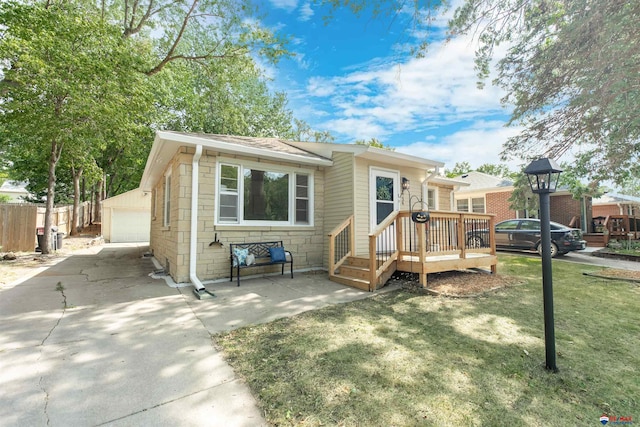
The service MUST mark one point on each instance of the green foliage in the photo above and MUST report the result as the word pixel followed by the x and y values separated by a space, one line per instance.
pixel 303 132
pixel 501 171
pixel 459 169
pixel 374 142
pixel 4 198
pixel 570 72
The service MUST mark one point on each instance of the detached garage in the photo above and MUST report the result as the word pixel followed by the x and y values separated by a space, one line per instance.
pixel 127 217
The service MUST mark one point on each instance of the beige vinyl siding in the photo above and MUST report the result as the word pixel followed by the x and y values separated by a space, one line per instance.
pixel 444 199
pixel 339 199
pixel 362 196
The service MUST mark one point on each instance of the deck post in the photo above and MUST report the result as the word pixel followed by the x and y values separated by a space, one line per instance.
pixel 422 253
pixel 461 237
pixel 492 239
pixel 373 264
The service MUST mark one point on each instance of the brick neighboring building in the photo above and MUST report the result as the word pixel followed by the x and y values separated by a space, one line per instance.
pixel 616 204
pixel 490 194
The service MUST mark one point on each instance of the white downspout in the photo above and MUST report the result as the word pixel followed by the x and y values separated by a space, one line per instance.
pixel 193 240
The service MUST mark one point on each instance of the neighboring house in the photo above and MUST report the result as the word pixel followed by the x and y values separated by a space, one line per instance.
pixel 616 204
pixel 266 189
pixel 485 194
pixel 490 194
pixel 16 191
pixel 127 217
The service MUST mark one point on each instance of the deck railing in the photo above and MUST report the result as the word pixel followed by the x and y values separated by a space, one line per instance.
pixel 341 244
pixel 383 247
pixel 622 226
pixel 461 238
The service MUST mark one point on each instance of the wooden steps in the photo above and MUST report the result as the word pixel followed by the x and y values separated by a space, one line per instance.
pixel 355 273
pixel 596 240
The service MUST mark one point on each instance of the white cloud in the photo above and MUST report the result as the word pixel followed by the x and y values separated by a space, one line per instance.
pixel 478 144
pixel 419 93
pixel 305 12
pixel 288 5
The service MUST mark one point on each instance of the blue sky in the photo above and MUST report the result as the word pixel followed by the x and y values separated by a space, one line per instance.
pixel 357 78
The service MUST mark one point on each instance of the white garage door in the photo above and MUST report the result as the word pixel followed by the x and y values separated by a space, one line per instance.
pixel 130 226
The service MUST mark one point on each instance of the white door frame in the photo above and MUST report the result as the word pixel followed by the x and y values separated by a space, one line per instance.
pixel 386 173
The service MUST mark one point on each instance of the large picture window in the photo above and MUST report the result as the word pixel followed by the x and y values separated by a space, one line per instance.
pixel 254 193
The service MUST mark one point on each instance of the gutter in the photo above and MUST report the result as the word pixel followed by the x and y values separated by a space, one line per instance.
pixel 198 288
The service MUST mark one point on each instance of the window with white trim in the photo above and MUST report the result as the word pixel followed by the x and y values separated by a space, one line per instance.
pixel 167 200
pixel 255 193
pixel 477 204
pixel 431 199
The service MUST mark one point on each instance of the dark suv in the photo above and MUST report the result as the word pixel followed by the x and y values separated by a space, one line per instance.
pixel 524 234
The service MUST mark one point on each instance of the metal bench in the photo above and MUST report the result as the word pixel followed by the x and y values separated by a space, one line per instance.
pixel 262 256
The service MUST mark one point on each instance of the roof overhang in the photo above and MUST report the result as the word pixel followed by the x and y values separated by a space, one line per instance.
pixel 166 144
pixel 370 153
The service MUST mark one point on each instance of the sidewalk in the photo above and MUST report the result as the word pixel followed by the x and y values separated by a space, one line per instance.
pixel 93 340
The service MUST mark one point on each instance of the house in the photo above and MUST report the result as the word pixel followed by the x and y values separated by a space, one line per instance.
pixel 208 191
pixel 490 194
pixel 127 217
pixel 16 191
pixel 615 216
pixel 616 204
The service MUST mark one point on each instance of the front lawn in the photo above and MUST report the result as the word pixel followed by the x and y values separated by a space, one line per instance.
pixel 404 359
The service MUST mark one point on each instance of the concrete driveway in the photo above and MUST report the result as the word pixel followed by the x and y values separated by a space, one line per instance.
pixel 93 341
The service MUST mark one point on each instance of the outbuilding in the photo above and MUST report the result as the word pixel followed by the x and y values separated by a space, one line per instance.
pixel 126 217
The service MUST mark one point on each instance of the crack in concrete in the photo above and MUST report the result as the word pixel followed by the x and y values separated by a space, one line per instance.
pixel 165 403
pixel 59 288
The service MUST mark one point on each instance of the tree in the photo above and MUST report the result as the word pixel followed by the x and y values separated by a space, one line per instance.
pixel 76 80
pixel 303 132
pixel 459 169
pixel 571 73
pixel 501 171
pixel 374 142
pixel 60 68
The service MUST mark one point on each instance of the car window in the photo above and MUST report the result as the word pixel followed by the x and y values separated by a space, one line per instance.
pixel 529 225
pixel 556 226
pixel 507 225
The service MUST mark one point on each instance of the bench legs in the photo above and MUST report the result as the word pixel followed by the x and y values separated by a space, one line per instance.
pixel 238 272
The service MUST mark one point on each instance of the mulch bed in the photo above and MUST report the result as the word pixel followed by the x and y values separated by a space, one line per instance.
pixel 457 284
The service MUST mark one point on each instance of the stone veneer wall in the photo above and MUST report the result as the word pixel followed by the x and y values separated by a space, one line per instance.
pixel 305 243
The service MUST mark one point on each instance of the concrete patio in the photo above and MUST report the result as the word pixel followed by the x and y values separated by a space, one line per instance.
pixel 93 340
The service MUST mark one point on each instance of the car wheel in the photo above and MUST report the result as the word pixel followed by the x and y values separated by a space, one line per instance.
pixel 475 242
pixel 554 250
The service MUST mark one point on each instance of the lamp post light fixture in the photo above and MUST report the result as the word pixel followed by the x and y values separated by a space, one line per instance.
pixel 543 175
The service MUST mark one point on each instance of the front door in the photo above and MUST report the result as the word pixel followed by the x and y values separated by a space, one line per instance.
pixel 384 200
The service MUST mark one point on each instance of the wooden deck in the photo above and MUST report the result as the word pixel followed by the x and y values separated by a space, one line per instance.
pixel 449 241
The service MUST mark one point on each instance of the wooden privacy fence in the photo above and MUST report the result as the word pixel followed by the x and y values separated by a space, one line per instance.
pixel 18 224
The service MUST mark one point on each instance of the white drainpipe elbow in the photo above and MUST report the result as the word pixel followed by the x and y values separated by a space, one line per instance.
pixel 193 241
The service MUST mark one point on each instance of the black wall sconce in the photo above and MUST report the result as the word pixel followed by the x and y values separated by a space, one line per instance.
pixel 405 184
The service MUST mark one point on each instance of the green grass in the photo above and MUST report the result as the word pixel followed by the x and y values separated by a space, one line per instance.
pixel 403 359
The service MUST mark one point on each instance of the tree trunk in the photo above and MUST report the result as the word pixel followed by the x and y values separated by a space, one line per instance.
pixel 97 207
pixel 77 173
pixel 51 191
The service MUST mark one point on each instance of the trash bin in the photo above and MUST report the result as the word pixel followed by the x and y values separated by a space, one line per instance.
pixel 55 241
pixel 59 237
pixel 40 237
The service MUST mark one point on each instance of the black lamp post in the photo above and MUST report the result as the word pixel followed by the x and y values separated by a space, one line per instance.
pixel 543 175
